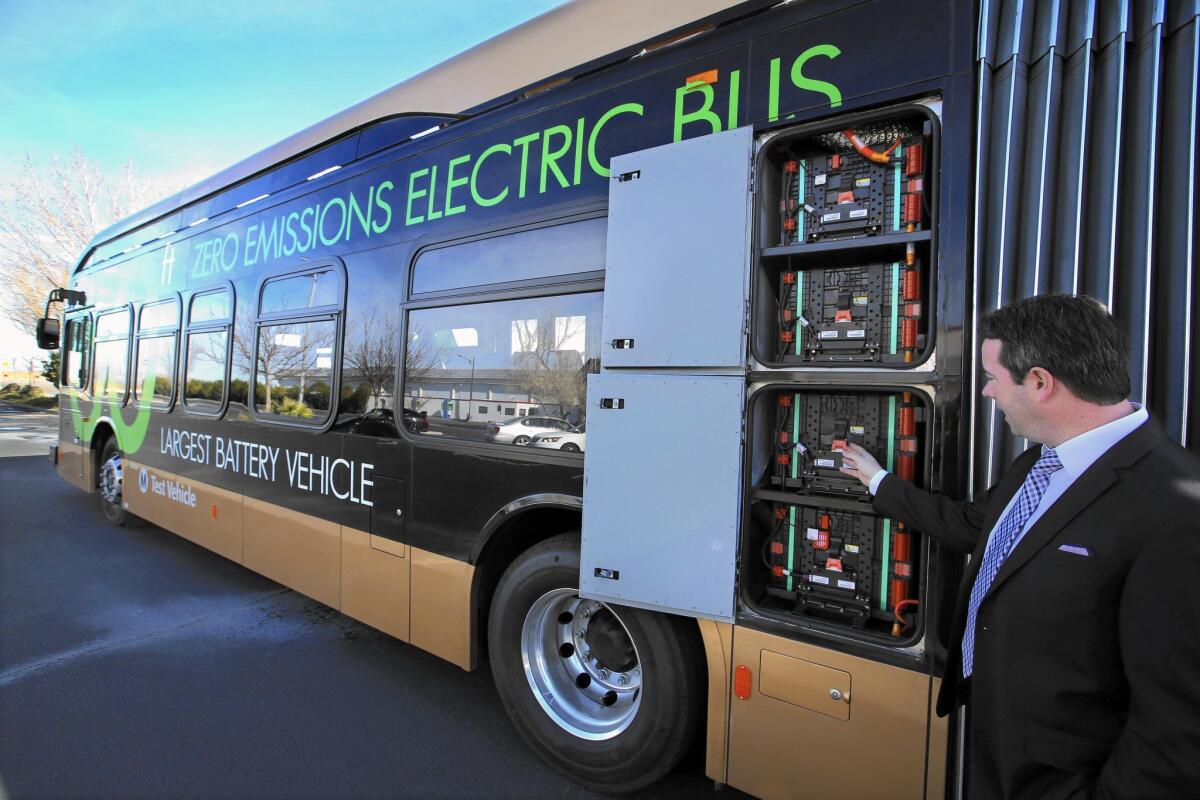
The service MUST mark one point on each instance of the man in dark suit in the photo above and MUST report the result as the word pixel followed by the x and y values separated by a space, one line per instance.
pixel 1076 640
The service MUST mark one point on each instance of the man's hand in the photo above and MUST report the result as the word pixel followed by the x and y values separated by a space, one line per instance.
pixel 859 463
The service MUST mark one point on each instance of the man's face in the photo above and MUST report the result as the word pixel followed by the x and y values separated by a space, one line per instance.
pixel 1013 399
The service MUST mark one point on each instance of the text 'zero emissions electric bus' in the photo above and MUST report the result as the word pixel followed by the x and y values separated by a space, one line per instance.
pixel 547 356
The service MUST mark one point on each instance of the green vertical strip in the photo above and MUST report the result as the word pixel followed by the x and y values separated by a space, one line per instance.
pixel 800 204
pixel 891 434
pixel 896 206
pixel 799 329
pixel 895 305
pixel 791 545
pixel 885 564
pixel 896 189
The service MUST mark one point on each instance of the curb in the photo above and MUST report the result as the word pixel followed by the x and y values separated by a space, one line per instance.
pixel 31 409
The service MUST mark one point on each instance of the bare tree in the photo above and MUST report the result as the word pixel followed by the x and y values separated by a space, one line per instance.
pixel 372 352
pixel 286 352
pixel 48 214
pixel 548 368
pixel 31 366
pixel 421 358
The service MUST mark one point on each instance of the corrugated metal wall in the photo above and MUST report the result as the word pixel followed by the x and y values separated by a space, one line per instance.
pixel 1085 181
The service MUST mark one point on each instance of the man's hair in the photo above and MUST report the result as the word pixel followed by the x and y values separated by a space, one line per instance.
pixel 1073 337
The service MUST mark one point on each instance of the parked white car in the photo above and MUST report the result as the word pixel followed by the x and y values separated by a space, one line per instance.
pixel 562 440
pixel 521 430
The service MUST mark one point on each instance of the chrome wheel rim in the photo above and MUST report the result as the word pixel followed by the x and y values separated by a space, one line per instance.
pixel 111 475
pixel 582 665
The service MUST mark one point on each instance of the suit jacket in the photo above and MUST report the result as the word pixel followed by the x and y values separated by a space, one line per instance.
pixel 1086 679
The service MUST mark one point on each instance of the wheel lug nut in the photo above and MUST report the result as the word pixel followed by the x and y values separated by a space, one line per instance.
pixel 603 673
pixel 623 679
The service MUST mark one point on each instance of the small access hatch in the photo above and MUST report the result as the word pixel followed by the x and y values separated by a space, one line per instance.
pixel 677 273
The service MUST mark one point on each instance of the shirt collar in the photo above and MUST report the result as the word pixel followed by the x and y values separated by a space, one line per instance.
pixel 1081 451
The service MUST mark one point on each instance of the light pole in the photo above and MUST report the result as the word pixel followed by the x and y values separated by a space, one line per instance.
pixel 471 384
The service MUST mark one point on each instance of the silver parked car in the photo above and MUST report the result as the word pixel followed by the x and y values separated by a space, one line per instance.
pixel 520 430
pixel 561 440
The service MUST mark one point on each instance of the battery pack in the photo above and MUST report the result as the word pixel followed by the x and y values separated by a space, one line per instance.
pixel 813 429
pixel 865 314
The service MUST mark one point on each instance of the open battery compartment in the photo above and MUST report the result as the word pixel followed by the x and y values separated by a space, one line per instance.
pixel 815 552
pixel 846 240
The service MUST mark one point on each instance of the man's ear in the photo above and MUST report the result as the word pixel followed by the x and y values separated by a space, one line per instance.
pixel 1041 382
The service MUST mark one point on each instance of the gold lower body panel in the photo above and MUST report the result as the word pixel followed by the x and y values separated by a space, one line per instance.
pixel 375 582
pixel 297 550
pixel 74 465
pixel 812 714
pixel 412 594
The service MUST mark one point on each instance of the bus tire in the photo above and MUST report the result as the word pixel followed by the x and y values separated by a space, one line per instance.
pixel 609 695
pixel 110 482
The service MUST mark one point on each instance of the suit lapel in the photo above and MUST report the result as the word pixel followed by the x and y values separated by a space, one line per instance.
pixel 1086 488
pixel 1094 481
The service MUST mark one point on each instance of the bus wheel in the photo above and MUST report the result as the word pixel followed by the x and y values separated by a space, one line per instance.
pixel 111 480
pixel 610 695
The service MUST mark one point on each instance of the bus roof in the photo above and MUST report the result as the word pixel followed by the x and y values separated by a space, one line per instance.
pixel 491 73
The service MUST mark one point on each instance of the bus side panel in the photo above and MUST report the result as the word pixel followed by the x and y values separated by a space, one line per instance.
pixel 298 550
pixel 718 651
pixel 375 581
pixel 813 713
pixel 939 742
pixel 214 521
pixel 441 607
pixel 143 496
pixel 73 464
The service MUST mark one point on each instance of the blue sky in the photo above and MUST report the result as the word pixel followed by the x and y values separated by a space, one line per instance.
pixel 184 88
pixel 181 85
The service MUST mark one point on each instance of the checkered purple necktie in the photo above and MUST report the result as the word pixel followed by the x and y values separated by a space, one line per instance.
pixel 1001 543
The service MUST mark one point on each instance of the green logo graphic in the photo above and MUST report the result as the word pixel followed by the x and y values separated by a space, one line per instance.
pixel 130 435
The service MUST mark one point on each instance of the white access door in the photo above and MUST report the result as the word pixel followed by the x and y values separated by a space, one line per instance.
pixel 677 274
pixel 662 488
pixel 662 477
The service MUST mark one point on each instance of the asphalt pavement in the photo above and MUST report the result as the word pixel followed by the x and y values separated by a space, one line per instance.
pixel 135 664
pixel 26 433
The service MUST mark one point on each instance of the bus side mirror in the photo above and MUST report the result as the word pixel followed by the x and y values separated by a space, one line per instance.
pixel 47 333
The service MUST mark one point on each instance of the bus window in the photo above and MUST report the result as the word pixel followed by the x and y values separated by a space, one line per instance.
pixel 294 370
pixel 530 358
pixel 211 307
pixel 206 352
pixel 205 389
pixel 299 292
pixel 538 253
pixel 109 378
pixel 156 344
pixel 295 347
pixel 75 353
pixel 158 316
pixel 156 356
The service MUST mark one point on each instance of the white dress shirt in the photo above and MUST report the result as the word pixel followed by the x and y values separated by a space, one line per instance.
pixel 1076 454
